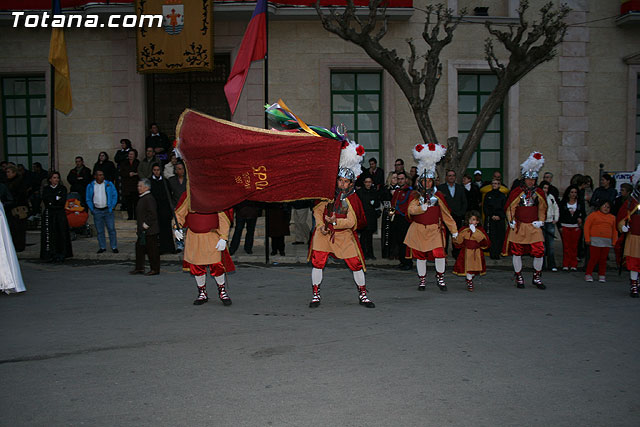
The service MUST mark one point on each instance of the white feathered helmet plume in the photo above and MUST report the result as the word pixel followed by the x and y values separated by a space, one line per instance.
pixel 532 165
pixel 351 157
pixel 635 177
pixel 427 155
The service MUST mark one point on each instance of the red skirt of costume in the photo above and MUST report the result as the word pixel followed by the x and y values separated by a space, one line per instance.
pixel 470 257
pixel 227 264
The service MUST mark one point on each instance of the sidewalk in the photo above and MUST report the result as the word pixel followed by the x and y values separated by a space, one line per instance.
pixel 85 248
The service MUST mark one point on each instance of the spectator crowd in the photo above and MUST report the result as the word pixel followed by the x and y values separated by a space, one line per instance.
pixel 582 217
pixel 39 198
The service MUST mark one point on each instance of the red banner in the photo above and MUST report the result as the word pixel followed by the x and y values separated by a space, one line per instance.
pixel 73 4
pixel 228 163
pixel 64 4
pixel 311 3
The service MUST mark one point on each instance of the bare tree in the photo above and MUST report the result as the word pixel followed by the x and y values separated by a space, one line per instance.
pixel 527 44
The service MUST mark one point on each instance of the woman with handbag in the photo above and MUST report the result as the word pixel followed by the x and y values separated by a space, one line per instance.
pixel 55 242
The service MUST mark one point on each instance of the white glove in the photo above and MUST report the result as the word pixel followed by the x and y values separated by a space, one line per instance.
pixel 424 206
pixel 537 224
pixel 512 224
pixel 454 236
pixel 222 245
pixel 625 228
pixel 145 226
pixel 472 227
pixel 178 233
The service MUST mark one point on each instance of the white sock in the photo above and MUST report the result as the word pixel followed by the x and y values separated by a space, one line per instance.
pixel 633 275
pixel 316 276
pixel 220 279
pixel 537 263
pixel 517 263
pixel 469 276
pixel 422 267
pixel 440 265
pixel 358 276
pixel 201 280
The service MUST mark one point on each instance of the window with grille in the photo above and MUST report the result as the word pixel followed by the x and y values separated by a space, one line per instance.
pixel 473 91
pixel 24 120
pixel 356 101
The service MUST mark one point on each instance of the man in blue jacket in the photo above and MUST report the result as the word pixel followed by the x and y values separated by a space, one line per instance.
pixel 102 198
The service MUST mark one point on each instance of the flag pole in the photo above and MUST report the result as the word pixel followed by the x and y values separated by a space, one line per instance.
pixel 52 108
pixel 266 125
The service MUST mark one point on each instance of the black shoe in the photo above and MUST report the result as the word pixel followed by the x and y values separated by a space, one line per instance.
pixel 115 251
pixel 314 304
pixel 248 251
pixel 101 251
pixel 282 253
pixel 274 252
pixel 226 301
pixel 368 304
pixel 200 301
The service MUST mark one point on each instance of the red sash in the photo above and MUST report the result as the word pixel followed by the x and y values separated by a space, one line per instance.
pixel 431 216
pixel 202 223
pixel 527 214
pixel 471 244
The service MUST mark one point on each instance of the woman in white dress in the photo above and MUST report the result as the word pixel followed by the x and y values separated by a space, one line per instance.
pixel 10 276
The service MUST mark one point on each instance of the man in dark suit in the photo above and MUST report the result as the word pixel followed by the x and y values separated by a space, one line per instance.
pixel 148 229
pixel 456 198
pixel 472 192
pixel 79 177
pixel 159 142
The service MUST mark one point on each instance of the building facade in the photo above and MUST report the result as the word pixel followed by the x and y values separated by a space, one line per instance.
pixel 580 109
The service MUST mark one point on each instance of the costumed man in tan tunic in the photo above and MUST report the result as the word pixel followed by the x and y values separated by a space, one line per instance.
pixel 429 214
pixel 629 223
pixel 205 246
pixel 336 225
pixel 526 211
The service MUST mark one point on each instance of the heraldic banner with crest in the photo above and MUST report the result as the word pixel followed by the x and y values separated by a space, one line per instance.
pixel 184 42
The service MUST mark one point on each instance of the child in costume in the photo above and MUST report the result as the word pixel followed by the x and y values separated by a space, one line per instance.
pixel 474 240
pixel 629 224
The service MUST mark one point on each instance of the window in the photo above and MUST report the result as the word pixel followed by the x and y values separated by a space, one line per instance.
pixel 473 91
pixel 356 101
pixel 24 120
pixel 638 120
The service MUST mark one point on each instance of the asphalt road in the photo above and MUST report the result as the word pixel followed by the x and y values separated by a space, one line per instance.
pixel 90 345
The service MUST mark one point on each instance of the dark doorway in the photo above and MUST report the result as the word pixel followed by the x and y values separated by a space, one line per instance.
pixel 168 94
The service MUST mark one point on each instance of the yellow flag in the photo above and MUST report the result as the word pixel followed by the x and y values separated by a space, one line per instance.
pixel 58 58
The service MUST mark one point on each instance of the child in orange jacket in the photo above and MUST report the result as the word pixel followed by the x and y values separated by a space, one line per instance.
pixel 600 233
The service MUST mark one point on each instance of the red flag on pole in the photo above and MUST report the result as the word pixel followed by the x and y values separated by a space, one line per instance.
pixel 252 48
pixel 228 163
